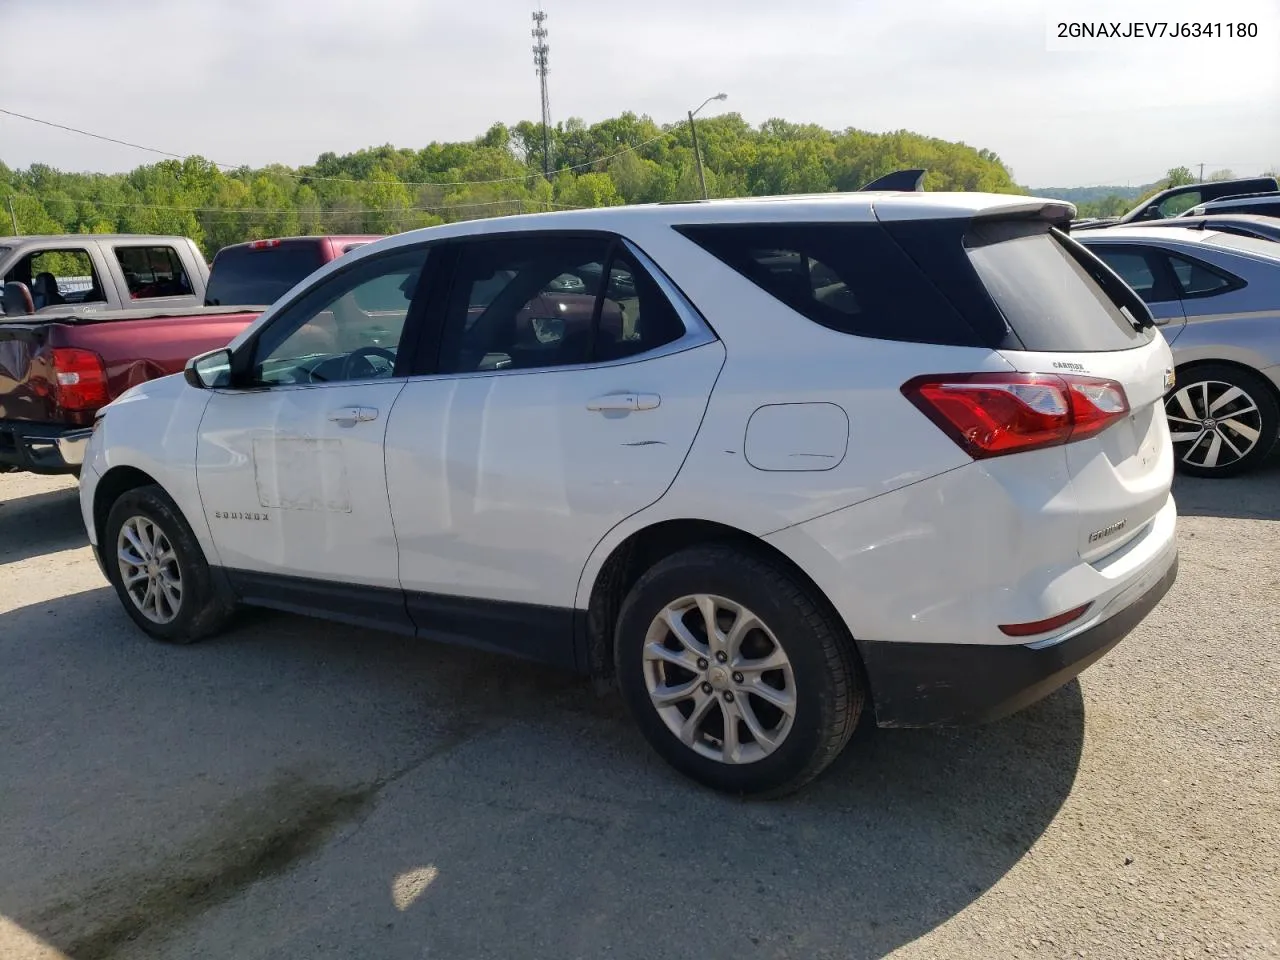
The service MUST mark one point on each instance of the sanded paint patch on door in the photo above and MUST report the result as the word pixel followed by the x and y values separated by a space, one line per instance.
pixel 301 474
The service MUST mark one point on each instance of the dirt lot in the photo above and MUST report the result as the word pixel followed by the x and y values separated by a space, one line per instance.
pixel 300 790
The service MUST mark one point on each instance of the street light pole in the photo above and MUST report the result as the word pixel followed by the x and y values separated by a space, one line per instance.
pixel 13 216
pixel 697 154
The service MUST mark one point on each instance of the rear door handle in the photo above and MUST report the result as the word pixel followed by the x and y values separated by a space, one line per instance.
pixel 625 401
pixel 354 414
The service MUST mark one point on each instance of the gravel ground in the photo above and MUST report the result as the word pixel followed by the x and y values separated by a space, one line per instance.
pixel 301 790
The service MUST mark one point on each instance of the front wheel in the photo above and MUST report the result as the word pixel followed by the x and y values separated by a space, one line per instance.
pixel 735 673
pixel 1223 420
pixel 158 569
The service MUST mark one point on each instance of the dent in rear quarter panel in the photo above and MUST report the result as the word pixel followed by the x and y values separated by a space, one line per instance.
pixel 155 429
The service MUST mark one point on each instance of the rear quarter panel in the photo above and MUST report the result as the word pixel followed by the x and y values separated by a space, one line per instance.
pixel 1241 326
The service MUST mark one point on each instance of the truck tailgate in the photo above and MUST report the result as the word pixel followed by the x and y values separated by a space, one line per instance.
pixel 25 378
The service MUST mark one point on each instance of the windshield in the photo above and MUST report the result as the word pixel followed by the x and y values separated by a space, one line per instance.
pixel 1255 245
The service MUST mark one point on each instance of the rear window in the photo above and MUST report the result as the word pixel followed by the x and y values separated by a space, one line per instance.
pixel 245 276
pixel 848 277
pixel 1049 290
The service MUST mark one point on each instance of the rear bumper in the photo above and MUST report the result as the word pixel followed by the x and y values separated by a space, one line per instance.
pixel 948 684
pixel 42 448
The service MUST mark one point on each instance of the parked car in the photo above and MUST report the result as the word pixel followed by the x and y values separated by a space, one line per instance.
pixel 57 371
pixel 1217 298
pixel 261 271
pixel 101 273
pixel 1177 200
pixel 904 449
pixel 1259 204
pixel 1243 224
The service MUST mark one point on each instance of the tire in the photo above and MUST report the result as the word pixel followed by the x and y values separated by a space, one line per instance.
pixel 1209 444
pixel 820 682
pixel 199 610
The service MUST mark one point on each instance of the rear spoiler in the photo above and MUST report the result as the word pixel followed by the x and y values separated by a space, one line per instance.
pixel 900 181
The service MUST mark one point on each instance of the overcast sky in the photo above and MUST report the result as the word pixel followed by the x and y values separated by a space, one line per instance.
pixel 258 81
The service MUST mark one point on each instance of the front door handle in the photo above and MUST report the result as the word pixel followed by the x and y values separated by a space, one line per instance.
pixel 625 401
pixel 354 414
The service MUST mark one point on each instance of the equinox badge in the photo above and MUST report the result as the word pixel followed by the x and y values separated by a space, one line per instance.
pixel 1107 531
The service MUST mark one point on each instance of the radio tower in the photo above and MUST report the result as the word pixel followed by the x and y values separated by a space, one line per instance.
pixel 540 50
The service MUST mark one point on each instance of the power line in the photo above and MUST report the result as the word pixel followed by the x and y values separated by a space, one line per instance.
pixel 331 211
pixel 307 176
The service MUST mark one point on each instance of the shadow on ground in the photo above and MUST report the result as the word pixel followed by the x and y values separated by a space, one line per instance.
pixel 147 788
pixel 1251 496
pixel 40 523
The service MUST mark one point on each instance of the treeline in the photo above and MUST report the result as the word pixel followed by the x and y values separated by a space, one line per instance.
pixel 626 159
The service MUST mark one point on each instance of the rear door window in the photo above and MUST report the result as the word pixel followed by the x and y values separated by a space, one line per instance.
pixel 1144 270
pixel 1049 290
pixel 153 272
pixel 245 275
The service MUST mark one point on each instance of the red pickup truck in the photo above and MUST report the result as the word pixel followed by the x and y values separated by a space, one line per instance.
pixel 56 372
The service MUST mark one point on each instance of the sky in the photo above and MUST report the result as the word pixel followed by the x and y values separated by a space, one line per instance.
pixel 263 81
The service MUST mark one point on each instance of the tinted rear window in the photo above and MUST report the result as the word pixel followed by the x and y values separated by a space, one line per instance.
pixel 244 276
pixel 849 277
pixel 1049 292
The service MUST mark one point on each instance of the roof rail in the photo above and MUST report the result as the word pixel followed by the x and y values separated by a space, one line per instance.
pixel 904 181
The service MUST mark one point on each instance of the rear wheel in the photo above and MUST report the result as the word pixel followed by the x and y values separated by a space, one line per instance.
pixel 1223 420
pixel 158 569
pixel 735 673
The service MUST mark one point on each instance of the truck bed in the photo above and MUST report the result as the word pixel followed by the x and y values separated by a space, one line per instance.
pixel 133 345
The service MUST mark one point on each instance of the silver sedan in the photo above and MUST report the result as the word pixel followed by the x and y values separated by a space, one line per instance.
pixel 1217 298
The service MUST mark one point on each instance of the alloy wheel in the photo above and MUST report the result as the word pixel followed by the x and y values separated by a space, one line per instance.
pixel 149 569
pixel 719 679
pixel 1213 424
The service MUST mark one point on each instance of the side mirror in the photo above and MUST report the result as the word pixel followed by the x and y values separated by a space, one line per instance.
pixel 209 371
pixel 17 299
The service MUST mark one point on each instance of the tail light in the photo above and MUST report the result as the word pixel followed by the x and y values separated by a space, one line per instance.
pixel 991 414
pixel 80 379
pixel 263 244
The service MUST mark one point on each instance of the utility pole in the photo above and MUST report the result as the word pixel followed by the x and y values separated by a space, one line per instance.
pixel 540 51
pixel 13 216
pixel 697 155
pixel 1202 173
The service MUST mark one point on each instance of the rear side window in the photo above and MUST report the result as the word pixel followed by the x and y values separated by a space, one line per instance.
pixel 243 275
pixel 849 277
pixel 1197 279
pixel 1049 292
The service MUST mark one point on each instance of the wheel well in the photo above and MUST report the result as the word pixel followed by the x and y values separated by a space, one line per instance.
pixel 644 548
pixel 114 484
pixel 1235 364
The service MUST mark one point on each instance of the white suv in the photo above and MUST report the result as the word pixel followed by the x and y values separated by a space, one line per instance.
pixel 763 462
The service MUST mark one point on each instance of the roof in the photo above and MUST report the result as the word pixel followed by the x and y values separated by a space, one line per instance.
pixel 1128 232
pixel 81 237
pixel 1230 203
pixel 817 208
